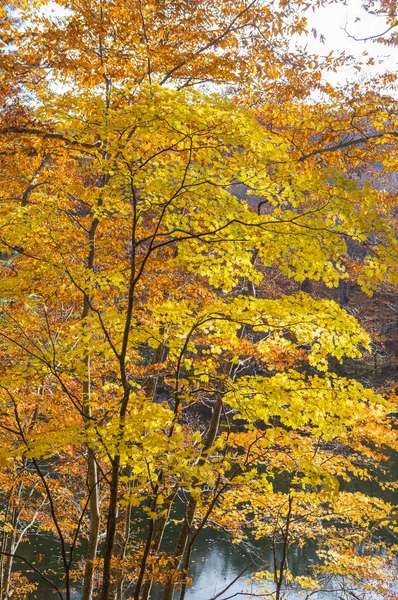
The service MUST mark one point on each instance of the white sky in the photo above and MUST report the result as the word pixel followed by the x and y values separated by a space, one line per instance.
pixel 330 22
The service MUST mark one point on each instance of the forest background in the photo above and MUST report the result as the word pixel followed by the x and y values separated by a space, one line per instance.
pixel 198 296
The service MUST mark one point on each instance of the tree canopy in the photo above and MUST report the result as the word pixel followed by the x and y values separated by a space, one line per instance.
pixel 182 192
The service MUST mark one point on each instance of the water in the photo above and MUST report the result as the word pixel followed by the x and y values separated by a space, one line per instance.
pixel 216 562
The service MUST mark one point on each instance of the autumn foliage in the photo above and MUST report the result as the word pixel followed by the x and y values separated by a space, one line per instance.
pixel 182 195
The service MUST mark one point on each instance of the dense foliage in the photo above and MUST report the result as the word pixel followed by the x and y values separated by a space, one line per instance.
pixel 181 193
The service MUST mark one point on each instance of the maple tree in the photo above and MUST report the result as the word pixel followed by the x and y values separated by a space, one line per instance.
pixel 149 364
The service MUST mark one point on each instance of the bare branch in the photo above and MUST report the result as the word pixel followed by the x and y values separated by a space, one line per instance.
pixel 35 569
pixel 49 135
pixel 213 42
pixel 353 142
pixel 369 37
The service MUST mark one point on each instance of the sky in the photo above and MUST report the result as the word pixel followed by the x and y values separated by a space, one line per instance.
pixel 331 21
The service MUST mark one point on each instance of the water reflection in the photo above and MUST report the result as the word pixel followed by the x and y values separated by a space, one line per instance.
pixel 215 564
pixel 212 573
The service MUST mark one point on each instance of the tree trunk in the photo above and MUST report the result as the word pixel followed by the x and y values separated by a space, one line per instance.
pixel 95 519
pixel 92 472
pixel 8 560
pixel 191 508
pixel 211 436
pixel 120 545
pixel 123 520
pixel 111 529
pixel 146 588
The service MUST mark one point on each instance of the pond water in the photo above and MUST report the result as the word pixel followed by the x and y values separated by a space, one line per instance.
pixel 216 562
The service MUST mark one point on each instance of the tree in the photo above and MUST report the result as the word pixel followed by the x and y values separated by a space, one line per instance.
pixel 136 321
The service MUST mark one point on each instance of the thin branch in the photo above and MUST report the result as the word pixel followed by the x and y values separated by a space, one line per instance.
pixel 48 135
pixel 17 556
pixel 248 594
pixel 32 183
pixel 146 43
pixel 49 496
pixel 352 142
pixel 242 572
pixel 79 523
pixel 369 37
pixel 213 42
